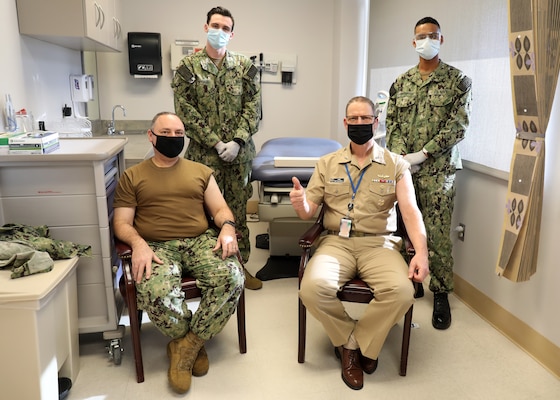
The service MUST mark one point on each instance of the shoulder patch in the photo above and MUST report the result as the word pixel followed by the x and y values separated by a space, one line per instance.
pixel 252 72
pixel 393 90
pixel 185 73
pixel 465 84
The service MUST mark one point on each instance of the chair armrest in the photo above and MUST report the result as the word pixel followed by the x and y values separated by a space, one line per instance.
pixel 401 231
pixel 408 247
pixel 123 249
pixel 310 235
pixel 126 283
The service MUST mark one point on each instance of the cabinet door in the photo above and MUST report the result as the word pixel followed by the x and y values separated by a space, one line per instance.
pixel 97 23
pixel 90 25
pixel 116 38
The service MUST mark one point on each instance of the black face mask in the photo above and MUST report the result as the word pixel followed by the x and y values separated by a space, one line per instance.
pixel 169 146
pixel 360 133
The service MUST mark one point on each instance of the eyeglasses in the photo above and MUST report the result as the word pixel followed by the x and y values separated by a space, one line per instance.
pixel 354 119
pixel 431 35
pixel 167 132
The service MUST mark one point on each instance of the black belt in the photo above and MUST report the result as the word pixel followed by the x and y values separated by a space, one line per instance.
pixel 356 234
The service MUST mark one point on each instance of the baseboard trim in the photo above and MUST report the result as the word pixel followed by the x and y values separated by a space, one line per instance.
pixel 536 345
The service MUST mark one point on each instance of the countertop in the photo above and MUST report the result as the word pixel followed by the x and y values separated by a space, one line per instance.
pixel 137 146
pixel 34 287
pixel 96 148
pixel 136 149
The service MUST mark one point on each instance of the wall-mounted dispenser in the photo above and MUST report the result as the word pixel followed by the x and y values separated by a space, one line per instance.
pixel 81 88
pixel 144 54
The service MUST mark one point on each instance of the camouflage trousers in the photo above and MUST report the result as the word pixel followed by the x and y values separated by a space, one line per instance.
pixel 221 283
pixel 435 195
pixel 235 184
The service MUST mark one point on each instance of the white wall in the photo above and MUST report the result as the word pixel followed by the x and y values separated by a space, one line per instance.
pixel 480 205
pixel 35 73
pixel 476 34
pixel 325 35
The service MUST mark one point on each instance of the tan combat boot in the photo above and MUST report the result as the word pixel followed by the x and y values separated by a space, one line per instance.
pixel 182 355
pixel 251 282
pixel 201 364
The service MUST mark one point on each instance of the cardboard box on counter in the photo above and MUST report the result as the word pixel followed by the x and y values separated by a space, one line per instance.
pixel 41 142
pixel 36 150
pixel 4 137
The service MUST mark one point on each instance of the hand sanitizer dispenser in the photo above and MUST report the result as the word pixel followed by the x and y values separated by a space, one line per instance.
pixel 81 88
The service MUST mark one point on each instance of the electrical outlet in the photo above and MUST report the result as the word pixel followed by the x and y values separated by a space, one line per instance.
pixel 461 232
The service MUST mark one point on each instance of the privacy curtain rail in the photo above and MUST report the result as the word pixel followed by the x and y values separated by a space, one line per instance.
pixel 534 44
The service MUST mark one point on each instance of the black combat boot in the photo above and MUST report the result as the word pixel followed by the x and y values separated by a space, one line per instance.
pixel 441 318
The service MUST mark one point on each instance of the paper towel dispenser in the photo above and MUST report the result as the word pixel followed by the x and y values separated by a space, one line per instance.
pixel 144 54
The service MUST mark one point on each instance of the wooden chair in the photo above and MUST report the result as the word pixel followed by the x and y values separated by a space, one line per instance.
pixel 188 285
pixel 355 291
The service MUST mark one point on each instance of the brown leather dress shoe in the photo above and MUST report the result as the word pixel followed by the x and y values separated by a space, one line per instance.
pixel 369 365
pixel 352 373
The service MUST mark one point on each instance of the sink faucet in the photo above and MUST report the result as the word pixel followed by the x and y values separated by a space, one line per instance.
pixel 111 127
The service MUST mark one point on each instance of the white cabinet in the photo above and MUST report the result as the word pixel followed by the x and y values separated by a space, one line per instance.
pixel 96 20
pixel 116 37
pixel 71 191
pixel 91 25
pixel 39 332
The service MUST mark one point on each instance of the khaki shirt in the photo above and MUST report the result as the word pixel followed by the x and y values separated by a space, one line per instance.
pixel 374 204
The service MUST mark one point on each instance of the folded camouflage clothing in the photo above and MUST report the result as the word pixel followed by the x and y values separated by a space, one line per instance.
pixel 29 250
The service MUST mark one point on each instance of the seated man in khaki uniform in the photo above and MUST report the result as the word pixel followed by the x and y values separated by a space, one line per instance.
pixel 359 186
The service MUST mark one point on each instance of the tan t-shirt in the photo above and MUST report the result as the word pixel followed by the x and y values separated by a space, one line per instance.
pixel 169 202
pixel 374 204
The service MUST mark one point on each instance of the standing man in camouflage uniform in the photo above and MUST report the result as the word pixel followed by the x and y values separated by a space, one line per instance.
pixel 427 115
pixel 217 95
pixel 160 211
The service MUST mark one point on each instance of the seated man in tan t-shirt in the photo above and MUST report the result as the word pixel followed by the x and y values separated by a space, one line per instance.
pixel 160 211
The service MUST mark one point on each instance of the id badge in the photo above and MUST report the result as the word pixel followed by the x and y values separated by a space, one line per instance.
pixel 345 227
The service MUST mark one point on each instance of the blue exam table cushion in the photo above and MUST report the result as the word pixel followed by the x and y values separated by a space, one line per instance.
pixel 263 164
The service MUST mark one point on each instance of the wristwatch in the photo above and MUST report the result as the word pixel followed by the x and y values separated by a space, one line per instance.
pixel 229 222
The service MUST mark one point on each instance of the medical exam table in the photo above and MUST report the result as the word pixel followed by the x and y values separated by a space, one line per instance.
pixel 273 167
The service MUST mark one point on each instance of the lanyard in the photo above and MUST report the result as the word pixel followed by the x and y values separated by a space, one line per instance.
pixel 354 188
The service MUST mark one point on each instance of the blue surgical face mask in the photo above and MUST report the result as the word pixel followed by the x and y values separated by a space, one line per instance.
pixel 218 38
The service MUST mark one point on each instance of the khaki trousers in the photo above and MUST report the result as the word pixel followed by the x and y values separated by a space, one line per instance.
pixel 377 261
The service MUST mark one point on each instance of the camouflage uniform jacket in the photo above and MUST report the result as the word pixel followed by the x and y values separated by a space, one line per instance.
pixel 217 104
pixel 29 250
pixel 432 114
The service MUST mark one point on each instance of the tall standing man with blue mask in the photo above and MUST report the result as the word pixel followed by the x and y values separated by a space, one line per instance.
pixel 428 114
pixel 217 96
